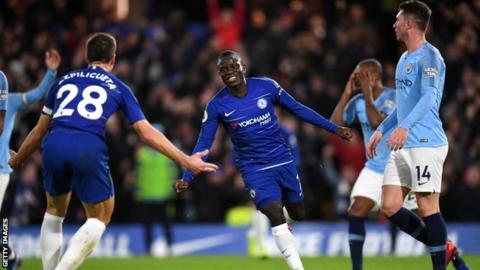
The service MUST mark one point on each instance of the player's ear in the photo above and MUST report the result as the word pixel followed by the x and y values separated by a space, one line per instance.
pixel 112 61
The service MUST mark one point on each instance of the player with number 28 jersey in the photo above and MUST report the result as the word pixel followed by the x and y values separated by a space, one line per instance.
pixel 80 104
pixel 84 100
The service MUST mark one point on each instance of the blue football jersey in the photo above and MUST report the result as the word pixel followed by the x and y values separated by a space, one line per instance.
pixel 258 141
pixel 83 100
pixel 419 77
pixel 356 111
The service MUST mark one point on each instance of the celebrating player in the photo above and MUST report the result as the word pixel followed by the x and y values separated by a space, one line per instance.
pixel 245 108
pixel 75 154
pixel 418 140
pixel 16 102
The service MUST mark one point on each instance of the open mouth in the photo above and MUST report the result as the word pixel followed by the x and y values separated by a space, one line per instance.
pixel 232 79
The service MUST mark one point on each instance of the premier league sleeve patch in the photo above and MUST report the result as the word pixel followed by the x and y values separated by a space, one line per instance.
pixel 430 72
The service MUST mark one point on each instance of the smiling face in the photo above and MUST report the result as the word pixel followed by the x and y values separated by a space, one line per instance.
pixel 232 70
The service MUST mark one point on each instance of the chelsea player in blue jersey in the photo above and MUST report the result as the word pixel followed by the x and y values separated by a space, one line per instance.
pixel 245 108
pixel 75 154
pixel 16 102
pixel 418 142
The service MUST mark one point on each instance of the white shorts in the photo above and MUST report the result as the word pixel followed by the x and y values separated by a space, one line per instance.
pixel 369 185
pixel 419 169
pixel 4 179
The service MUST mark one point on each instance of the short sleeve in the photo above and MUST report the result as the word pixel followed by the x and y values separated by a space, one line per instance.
pixel 130 106
pixel 50 102
pixel 350 113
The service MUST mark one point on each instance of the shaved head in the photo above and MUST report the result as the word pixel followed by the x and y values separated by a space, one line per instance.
pixel 372 65
pixel 230 54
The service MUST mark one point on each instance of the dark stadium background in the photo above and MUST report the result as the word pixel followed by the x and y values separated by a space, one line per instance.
pixel 167 54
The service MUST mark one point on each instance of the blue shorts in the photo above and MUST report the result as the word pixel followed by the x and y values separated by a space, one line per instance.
pixel 276 184
pixel 77 161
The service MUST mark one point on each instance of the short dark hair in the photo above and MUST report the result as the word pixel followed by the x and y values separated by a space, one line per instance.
pixel 230 53
pixel 419 11
pixel 100 47
pixel 373 65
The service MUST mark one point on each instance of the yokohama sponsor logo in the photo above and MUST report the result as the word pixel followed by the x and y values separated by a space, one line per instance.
pixel 262 120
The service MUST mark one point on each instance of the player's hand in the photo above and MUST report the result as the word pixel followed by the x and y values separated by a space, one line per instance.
pixel 397 139
pixel 344 133
pixel 196 165
pixel 13 162
pixel 372 144
pixel 180 185
pixel 352 86
pixel 364 79
pixel 52 59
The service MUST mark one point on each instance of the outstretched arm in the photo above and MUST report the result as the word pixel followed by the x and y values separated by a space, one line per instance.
pixel 205 138
pixel 204 142
pixel 20 100
pixel 308 115
pixel 159 142
pixel 32 142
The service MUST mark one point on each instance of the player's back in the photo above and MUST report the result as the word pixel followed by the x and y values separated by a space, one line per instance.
pixel 421 73
pixel 83 100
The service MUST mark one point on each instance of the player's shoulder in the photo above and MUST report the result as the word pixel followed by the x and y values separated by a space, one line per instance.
pixel 3 81
pixel 263 81
pixel 357 97
pixel 220 95
pixel 122 86
pixel 429 52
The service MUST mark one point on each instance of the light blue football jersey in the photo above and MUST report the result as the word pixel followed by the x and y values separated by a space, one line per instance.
pixel 17 102
pixel 356 111
pixel 419 77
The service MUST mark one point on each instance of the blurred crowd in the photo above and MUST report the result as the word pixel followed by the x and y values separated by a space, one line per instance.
pixel 167 54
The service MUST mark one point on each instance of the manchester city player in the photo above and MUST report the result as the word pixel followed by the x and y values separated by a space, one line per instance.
pixel 17 102
pixel 75 154
pixel 245 108
pixel 418 140
pixel 369 108
pixel 3 99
